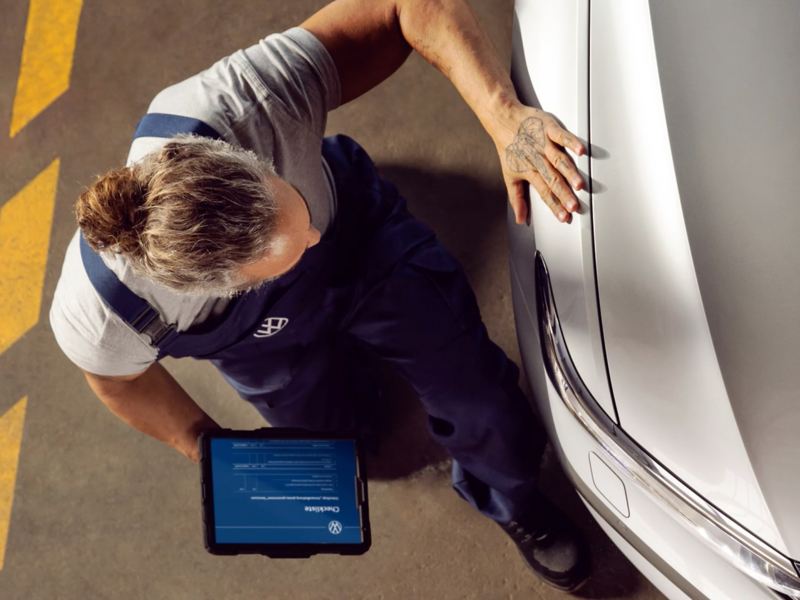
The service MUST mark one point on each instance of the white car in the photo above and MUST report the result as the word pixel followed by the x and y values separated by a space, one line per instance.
pixel 660 330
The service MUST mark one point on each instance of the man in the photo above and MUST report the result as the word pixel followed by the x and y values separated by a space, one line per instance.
pixel 237 234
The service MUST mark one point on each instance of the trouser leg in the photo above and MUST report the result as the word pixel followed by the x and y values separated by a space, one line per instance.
pixel 424 320
pixel 324 390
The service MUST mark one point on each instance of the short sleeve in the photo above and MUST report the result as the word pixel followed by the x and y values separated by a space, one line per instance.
pixel 111 355
pixel 284 78
pixel 86 330
pixel 223 96
pixel 297 74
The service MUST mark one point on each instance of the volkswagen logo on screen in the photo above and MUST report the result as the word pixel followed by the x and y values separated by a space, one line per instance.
pixel 271 326
pixel 335 527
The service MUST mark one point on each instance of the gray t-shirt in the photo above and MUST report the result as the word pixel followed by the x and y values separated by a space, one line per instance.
pixel 273 98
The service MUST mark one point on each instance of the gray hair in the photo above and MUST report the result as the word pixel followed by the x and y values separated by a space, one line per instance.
pixel 187 215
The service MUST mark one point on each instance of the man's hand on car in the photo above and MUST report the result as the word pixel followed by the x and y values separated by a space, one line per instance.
pixel 532 147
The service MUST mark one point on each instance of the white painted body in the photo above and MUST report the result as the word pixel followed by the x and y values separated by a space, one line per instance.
pixel 627 293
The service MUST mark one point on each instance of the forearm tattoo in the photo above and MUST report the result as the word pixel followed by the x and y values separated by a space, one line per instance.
pixel 526 146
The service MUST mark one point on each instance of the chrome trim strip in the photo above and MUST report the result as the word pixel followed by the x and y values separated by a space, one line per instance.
pixel 733 542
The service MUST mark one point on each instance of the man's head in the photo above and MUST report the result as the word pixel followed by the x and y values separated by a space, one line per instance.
pixel 199 216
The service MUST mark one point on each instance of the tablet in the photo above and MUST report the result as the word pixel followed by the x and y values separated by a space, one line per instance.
pixel 283 492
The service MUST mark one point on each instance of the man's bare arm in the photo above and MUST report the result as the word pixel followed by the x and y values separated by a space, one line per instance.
pixel 370 39
pixel 155 404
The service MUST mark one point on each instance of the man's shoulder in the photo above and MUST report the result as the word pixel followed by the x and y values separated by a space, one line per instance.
pixel 188 98
pixel 86 330
pixel 77 299
pixel 255 93
pixel 74 291
pixel 222 96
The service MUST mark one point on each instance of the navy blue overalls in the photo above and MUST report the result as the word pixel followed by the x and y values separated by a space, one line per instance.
pixel 380 282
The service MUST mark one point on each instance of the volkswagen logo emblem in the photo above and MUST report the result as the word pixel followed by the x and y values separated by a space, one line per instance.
pixel 335 527
pixel 271 326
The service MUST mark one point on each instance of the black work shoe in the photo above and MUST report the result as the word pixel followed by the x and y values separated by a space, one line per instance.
pixel 551 546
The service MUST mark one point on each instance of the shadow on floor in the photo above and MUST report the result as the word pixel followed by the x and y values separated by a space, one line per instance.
pixel 464 211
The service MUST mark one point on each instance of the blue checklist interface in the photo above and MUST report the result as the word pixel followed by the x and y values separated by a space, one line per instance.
pixel 291 491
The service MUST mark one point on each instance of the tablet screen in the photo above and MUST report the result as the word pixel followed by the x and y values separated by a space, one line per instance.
pixel 292 491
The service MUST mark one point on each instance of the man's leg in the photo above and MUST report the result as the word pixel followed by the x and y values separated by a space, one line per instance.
pixel 323 391
pixel 424 319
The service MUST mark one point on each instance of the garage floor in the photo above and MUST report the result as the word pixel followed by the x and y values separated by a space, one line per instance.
pixel 102 511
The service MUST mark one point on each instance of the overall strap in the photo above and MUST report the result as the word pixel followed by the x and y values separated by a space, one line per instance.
pixel 134 310
pixel 165 126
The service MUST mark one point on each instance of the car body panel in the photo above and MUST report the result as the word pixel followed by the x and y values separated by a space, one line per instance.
pixel 654 538
pixel 731 112
pixel 668 386
pixel 557 50
pixel 672 387
pixel 653 573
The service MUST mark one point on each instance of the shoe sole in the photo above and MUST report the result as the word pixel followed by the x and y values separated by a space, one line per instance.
pixel 573 588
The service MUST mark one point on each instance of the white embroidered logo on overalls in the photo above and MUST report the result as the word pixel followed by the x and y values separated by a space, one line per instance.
pixel 271 326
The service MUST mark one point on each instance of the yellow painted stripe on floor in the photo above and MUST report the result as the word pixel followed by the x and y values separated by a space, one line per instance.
pixel 47 51
pixel 11 425
pixel 25 223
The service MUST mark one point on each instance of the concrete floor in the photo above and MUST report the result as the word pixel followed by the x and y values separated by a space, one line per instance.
pixel 103 511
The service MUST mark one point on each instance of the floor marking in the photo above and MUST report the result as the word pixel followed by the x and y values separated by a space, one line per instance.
pixel 11 425
pixel 50 33
pixel 25 223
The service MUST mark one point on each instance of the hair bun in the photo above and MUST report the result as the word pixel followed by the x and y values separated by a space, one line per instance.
pixel 111 211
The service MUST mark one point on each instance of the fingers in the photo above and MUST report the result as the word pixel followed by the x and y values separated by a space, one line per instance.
pixel 554 180
pixel 549 199
pixel 516 196
pixel 565 166
pixel 566 139
pixel 547 180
